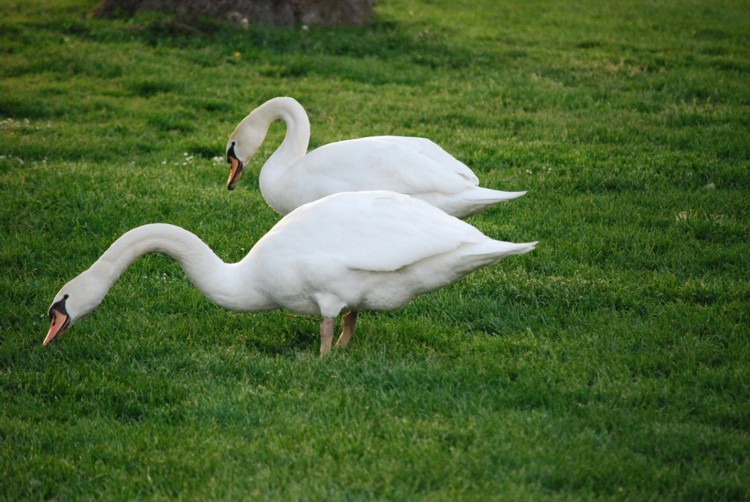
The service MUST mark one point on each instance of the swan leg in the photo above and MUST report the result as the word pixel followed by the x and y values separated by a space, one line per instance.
pixel 326 335
pixel 350 321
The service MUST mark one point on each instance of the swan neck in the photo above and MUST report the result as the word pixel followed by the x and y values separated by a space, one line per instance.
pixel 278 167
pixel 221 282
pixel 295 143
pixel 297 137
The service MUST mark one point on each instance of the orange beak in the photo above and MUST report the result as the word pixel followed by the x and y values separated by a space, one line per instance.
pixel 235 171
pixel 60 323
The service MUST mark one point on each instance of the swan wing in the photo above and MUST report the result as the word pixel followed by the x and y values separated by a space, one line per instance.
pixel 432 150
pixel 404 165
pixel 375 231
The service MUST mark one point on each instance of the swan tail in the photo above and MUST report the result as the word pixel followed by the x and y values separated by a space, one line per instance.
pixel 490 196
pixel 479 198
pixel 522 248
pixel 498 250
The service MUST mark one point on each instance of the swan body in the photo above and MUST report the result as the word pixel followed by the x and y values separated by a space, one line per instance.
pixel 413 166
pixel 357 250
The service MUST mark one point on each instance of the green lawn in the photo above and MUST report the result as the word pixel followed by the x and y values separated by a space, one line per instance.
pixel 613 362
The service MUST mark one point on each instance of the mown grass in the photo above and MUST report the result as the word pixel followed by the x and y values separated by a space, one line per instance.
pixel 613 362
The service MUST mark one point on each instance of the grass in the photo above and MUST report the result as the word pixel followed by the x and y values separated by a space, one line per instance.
pixel 611 363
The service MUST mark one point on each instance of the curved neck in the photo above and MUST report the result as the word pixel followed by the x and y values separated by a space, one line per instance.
pixel 228 285
pixel 296 140
pixel 297 137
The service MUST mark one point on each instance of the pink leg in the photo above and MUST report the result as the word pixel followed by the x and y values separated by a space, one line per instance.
pixel 326 335
pixel 350 321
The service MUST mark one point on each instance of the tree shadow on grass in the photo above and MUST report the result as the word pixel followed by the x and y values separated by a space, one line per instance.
pixel 380 53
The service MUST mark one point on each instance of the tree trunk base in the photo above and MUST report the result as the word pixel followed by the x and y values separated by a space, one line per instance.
pixel 276 12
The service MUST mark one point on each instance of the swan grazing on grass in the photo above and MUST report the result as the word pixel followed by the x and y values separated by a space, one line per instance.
pixel 292 177
pixel 357 250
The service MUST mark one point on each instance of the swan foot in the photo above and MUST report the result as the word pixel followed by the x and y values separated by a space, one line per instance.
pixel 350 321
pixel 326 335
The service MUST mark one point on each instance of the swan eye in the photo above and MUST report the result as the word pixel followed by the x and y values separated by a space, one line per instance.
pixel 59 306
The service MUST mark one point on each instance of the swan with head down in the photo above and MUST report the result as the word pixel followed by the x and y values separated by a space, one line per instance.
pixel 412 166
pixel 347 252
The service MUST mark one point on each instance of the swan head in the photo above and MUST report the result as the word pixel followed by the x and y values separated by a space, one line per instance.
pixel 76 299
pixel 242 145
pixel 236 166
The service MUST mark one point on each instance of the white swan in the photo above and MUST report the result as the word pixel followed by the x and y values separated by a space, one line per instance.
pixel 357 250
pixel 292 177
